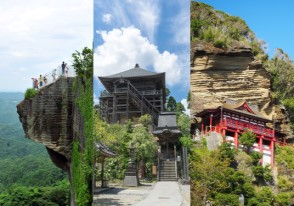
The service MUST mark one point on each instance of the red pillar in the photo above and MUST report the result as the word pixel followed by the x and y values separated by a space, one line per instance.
pixel 224 132
pixel 202 128
pixel 236 139
pixel 272 147
pixel 261 149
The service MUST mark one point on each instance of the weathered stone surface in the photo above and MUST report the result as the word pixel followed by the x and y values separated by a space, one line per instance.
pixel 53 119
pixel 48 118
pixel 218 74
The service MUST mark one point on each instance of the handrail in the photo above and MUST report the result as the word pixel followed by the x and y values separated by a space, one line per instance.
pixel 143 98
pixel 55 74
pixel 151 109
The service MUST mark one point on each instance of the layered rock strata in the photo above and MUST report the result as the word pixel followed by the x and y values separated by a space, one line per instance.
pixel 52 119
pixel 217 75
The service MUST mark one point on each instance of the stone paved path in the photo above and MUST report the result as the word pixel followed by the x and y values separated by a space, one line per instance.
pixel 160 193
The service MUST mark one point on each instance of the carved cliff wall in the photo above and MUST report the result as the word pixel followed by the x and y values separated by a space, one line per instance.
pixel 217 75
pixel 52 119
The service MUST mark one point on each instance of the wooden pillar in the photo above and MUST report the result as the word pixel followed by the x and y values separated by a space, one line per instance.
pixel 236 141
pixel 128 104
pixel 141 105
pixel 102 171
pixel 114 109
pixel 272 148
pixel 261 148
pixel 202 127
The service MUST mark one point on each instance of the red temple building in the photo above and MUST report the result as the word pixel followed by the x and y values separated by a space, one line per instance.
pixel 232 119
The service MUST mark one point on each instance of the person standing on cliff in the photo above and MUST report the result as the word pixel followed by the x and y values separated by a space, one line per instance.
pixel 45 80
pixel 63 65
pixel 41 81
pixel 35 83
pixel 54 74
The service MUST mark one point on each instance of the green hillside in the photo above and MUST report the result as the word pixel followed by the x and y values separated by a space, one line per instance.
pixel 25 165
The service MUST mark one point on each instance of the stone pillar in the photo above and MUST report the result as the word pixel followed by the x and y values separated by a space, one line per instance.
pixel 210 122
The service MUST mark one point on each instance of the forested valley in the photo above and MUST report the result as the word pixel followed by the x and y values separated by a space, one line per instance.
pixel 27 177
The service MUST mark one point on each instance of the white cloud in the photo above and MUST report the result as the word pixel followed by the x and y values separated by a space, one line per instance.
pixel 38 35
pixel 144 14
pixel 123 48
pixel 185 103
pixel 106 18
pixel 181 27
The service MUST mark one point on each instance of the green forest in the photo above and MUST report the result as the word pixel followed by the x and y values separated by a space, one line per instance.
pixel 28 177
pixel 228 173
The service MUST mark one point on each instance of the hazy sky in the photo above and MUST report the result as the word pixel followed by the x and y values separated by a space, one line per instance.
pixel 36 36
pixel 155 34
pixel 270 20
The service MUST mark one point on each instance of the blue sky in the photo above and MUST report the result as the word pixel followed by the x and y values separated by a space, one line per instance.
pixel 271 21
pixel 36 36
pixel 153 33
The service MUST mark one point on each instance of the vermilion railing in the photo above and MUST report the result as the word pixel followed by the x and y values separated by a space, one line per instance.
pixel 254 128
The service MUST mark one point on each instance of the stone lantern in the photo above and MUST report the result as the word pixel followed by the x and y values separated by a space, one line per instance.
pixel 131 177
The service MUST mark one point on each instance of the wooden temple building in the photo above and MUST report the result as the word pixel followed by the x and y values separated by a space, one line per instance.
pixel 232 119
pixel 131 94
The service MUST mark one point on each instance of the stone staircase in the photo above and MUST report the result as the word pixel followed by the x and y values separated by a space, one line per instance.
pixel 167 171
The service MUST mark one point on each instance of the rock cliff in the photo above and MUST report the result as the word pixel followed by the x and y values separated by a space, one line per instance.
pixel 217 75
pixel 53 119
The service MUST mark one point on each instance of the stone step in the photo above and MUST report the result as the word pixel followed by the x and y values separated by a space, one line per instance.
pixel 167 179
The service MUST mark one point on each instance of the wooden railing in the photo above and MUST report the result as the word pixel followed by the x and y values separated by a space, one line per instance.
pixel 142 101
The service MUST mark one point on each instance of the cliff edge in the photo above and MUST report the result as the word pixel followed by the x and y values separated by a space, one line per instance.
pixel 52 119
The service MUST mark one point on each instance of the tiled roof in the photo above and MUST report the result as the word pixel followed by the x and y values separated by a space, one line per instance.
pixel 105 150
pixel 135 72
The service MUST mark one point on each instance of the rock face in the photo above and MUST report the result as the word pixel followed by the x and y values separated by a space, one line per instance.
pixel 217 75
pixel 51 118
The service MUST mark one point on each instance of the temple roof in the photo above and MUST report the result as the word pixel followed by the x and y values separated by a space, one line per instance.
pixel 167 125
pixel 167 119
pixel 131 74
pixel 105 151
pixel 135 72
pixel 238 107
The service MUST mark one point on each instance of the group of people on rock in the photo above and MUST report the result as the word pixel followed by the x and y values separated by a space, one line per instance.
pixel 42 80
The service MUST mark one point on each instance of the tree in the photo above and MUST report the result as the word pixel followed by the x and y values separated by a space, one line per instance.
pixel 247 139
pixel 189 99
pixel 145 149
pixel 146 120
pixel 167 92
pixel 184 124
pixel 180 108
pixel 171 104
pixel 83 63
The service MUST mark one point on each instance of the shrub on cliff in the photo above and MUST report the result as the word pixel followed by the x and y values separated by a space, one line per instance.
pixel 30 93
